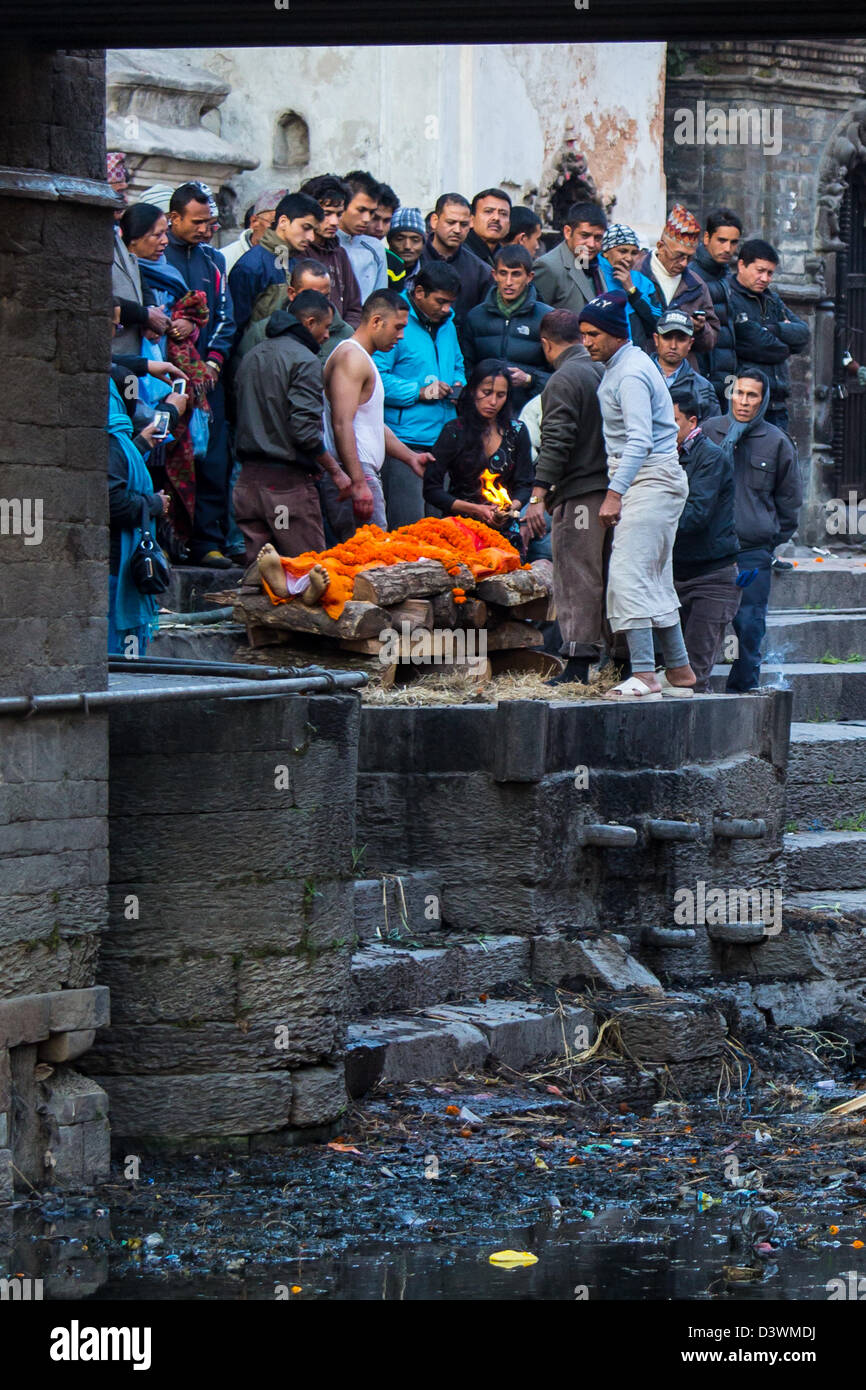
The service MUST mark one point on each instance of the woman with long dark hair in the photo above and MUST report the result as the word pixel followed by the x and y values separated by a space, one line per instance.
pixel 484 451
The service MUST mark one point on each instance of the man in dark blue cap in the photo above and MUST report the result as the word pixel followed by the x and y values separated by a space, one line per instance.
pixel 646 493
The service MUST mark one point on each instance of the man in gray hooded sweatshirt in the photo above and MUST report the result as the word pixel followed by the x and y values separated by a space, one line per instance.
pixel 768 493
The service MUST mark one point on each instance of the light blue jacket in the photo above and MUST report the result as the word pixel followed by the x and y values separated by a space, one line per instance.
pixel 638 331
pixel 416 361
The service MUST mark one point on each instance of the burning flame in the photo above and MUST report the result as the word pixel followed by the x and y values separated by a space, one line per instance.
pixel 493 491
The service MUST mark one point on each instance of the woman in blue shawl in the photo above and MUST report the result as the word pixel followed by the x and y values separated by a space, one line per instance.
pixel 144 228
pixel 132 616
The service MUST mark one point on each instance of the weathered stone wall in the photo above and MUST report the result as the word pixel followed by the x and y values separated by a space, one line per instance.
pixel 441 117
pixel 55 335
pixel 814 85
pixel 55 346
pixel 494 802
pixel 231 927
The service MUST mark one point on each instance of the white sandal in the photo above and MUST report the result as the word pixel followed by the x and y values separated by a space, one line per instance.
pixel 674 692
pixel 632 689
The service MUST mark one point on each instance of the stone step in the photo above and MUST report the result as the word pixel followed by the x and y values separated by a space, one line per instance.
pixel 449 1038
pixel 222 642
pixel 189 584
pixel 386 979
pixel 826 773
pixel 833 860
pixel 804 636
pixel 820 692
pixel 828 585
pixel 848 902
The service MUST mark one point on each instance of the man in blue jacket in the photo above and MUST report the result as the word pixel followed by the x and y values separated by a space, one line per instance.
pixel 506 325
pixel 259 277
pixel 422 377
pixel 620 249
pixel 203 268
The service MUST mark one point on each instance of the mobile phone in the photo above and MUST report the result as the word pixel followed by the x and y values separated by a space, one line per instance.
pixel 162 419
pixel 179 387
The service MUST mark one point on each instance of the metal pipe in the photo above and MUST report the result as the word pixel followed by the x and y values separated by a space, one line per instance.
pixel 669 936
pixel 193 666
pixel 609 836
pixel 206 615
pixel 729 828
pixel 673 829
pixel 92 700
pixel 737 933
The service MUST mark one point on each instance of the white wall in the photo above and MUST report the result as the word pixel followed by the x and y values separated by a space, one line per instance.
pixel 455 117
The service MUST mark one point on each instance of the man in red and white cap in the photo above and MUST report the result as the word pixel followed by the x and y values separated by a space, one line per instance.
pixel 118 178
pixel 678 286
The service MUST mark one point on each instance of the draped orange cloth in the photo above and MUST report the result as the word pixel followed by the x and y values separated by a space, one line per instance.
pixel 452 540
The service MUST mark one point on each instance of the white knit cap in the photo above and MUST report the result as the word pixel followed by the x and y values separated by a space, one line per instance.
pixel 159 196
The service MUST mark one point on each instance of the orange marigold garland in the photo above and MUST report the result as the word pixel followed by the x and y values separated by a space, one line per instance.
pixel 451 540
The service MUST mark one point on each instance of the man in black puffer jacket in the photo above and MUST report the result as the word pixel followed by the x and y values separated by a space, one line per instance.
pixel 713 264
pixel 705 550
pixel 506 325
pixel 765 330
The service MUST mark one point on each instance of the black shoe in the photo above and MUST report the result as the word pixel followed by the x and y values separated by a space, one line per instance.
pixel 782 565
pixel 576 669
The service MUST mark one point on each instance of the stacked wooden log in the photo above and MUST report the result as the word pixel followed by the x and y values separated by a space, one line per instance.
pixel 494 629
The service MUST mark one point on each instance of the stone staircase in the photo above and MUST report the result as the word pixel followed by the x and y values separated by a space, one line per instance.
pixel 816 627
pixel 426 1001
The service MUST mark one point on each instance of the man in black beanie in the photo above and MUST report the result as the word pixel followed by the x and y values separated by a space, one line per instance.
pixel 646 493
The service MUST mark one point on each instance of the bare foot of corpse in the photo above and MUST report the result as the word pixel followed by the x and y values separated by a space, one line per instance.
pixel 270 569
pixel 319 581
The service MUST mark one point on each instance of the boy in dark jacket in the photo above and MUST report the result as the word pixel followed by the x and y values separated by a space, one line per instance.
pixel 506 324
pixel 279 438
pixel 765 331
pixel 705 550
pixel 768 493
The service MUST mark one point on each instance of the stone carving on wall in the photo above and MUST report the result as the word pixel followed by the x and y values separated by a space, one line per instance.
pixel 571 183
pixel 845 151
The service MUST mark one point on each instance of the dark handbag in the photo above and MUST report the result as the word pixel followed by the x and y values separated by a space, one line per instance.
pixel 150 570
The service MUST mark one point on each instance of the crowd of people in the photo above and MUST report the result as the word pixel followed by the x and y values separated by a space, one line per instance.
pixel 621 410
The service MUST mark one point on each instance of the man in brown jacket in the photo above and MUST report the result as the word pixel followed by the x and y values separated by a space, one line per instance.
pixel 332 195
pixel 571 482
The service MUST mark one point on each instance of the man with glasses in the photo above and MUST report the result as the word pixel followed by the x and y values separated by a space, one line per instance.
pixel 679 287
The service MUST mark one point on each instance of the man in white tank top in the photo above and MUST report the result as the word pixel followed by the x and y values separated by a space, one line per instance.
pixel 355 429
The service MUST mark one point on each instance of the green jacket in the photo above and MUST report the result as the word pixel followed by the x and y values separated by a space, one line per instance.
pixel 340 330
